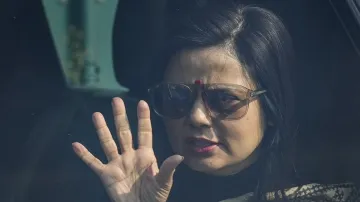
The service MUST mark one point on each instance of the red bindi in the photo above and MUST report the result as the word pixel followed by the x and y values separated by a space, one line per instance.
pixel 198 82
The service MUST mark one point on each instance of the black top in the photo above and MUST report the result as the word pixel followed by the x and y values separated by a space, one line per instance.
pixel 195 186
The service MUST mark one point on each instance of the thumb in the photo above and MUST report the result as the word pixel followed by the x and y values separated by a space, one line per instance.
pixel 165 176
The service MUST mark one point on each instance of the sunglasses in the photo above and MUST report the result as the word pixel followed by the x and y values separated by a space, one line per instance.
pixel 224 101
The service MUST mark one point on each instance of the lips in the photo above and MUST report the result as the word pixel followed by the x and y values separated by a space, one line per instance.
pixel 201 145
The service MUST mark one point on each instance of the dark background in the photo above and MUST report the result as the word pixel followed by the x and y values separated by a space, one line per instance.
pixel 40 117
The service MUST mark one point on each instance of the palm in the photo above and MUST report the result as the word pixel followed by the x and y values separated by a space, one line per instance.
pixel 132 175
pixel 127 166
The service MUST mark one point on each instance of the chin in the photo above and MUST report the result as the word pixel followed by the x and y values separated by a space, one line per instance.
pixel 209 165
pixel 216 166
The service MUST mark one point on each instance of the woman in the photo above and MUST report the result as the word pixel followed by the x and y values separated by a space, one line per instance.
pixel 225 98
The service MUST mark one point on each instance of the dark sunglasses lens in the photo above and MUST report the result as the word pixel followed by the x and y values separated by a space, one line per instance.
pixel 224 102
pixel 172 100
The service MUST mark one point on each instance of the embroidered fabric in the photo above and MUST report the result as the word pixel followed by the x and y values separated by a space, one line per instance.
pixel 346 192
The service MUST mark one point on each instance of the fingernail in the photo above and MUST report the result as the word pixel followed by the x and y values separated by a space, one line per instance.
pixel 181 158
pixel 95 114
pixel 113 101
pixel 142 104
pixel 75 148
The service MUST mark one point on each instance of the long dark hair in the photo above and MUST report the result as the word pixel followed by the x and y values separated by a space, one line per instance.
pixel 264 47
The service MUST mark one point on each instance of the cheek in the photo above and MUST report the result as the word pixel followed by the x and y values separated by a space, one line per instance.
pixel 245 134
pixel 174 133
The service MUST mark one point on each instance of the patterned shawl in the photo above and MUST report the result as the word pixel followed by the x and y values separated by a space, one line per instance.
pixel 346 192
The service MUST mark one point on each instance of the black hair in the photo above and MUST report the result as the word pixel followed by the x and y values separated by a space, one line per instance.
pixel 264 47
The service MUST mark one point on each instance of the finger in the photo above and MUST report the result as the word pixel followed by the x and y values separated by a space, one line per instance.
pixel 106 140
pixel 123 131
pixel 95 164
pixel 144 125
pixel 167 170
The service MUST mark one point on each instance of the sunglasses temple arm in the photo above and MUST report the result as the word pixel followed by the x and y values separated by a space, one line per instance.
pixel 257 93
pixel 252 96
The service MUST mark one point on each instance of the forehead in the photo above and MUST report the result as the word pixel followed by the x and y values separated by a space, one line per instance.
pixel 212 65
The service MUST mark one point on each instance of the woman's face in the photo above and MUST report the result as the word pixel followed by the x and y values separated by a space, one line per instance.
pixel 234 142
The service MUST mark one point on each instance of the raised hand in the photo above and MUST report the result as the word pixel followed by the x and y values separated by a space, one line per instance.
pixel 133 175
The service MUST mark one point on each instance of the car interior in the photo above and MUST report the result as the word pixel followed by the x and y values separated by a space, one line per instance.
pixel 42 114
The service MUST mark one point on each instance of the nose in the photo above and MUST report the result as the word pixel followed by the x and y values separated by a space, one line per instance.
pixel 199 116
